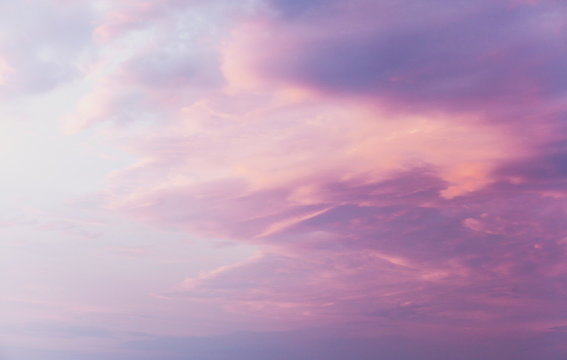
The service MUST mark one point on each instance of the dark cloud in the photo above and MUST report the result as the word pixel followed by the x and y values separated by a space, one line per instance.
pixel 446 55
pixel 545 170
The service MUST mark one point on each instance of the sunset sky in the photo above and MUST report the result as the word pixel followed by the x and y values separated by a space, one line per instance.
pixel 283 179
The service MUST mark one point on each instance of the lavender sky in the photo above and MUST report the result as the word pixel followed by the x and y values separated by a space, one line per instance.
pixel 283 179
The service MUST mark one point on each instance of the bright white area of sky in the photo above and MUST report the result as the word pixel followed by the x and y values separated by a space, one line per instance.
pixel 61 252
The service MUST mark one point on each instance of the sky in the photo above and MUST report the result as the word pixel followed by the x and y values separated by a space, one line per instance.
pixel 283 179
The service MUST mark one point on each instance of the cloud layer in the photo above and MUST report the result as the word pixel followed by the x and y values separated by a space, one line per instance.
pixel 399 166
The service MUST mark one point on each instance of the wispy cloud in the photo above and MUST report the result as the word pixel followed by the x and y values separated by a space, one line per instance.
pixel 390 170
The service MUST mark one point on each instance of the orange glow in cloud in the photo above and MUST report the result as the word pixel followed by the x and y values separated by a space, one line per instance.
pixel 364 139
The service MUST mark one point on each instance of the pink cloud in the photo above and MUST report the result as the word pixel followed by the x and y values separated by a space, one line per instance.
pixel 125 16
pixel 401 167
pixel 318 161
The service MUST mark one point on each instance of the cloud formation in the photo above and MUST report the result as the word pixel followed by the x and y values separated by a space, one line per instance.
pixel 399 166
pixel 378 155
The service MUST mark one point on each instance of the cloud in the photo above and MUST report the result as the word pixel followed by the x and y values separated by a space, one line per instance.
pixel 453 55
pixel 44 46
pixel 400 165
pixel 398 260
pixel 163 57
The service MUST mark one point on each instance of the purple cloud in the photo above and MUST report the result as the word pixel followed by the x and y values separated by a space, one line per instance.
pixel 398 167
pixel 44 45
pixel 452 55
